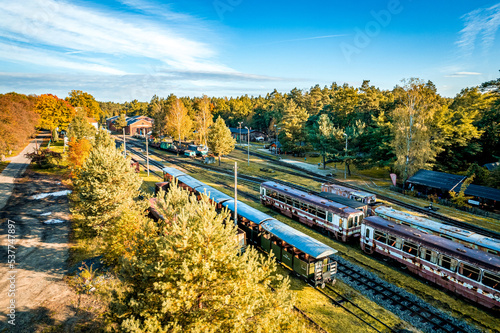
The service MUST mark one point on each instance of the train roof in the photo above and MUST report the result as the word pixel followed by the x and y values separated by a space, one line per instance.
pixel 422 222
pixel 213 194
pixel 348 189
pixel 248 212
pixel 173 172
pixel 342 200
pixel 310 198
pixel 442 245
pixel 301 241
pixel 190 181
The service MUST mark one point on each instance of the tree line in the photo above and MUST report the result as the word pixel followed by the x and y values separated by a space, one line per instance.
pixel 405 129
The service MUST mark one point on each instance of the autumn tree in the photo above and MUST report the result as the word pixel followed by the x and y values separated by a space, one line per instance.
pixel 106 185
pixel 220 141
pixel 79 149
pixel 120 122
pixel 186 275
pixel 203 118
pixel 86 102
pixel 54 112
pixel 178 122
pixel 17 121
pixel 293 132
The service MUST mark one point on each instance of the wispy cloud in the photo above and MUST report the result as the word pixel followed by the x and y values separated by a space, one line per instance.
pixel 481 23
pixel 463 74
pixel 61 29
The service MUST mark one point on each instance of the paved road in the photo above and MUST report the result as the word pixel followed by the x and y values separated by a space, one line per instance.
pixel 15 169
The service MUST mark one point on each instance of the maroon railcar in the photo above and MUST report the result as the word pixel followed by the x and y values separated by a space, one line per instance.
pixel 468 272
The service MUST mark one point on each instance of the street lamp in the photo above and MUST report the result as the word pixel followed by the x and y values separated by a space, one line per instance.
pixel 345 158
pixel 248 145
pixel 240 122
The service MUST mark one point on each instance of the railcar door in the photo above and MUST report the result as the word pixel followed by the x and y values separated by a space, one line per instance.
pixel 368 239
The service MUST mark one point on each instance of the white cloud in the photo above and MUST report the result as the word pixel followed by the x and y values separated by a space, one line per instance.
pixel 463 74
pixel 59 27
pixel 480 23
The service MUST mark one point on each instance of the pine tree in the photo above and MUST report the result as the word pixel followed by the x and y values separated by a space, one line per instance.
pixel 322 136
pixel 186 275
pixel 293 128
pixel 80 128
pixel 220 140
pixel 121 122
pixel 106 185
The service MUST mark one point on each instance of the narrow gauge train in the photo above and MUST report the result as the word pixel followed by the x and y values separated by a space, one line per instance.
pixel 346 201
pixel 336 219
pixel 305 256
pixel 365 197
pixel 468 272
pixel 469 239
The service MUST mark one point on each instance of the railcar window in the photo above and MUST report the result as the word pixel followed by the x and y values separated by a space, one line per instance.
pixel 491 280
pixel 349 222
pixel 448 263
pixel 303 206
pixel 469 271
pixel 281 197
pixel 410 247
pixel 356 221
pixel 288 200
pixel 312 210
pixel 428 255
pixel 273 194
pixel 394 242
pixel 380 236
pixel 321 214
pixel 329 215
pixel 296 204
pixel 446 236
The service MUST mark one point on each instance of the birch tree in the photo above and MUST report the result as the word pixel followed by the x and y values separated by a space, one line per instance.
pixel 203 118
pixel 220 140
pixel 177 121
pixel 411 125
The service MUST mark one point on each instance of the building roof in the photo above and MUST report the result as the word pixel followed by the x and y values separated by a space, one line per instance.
pixel 441 180
pixel 447 182
pixel 492 166
pixel 236 130
pixel 297 239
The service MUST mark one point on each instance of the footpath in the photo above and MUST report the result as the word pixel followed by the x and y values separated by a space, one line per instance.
pixel 15 169
pixel 33 249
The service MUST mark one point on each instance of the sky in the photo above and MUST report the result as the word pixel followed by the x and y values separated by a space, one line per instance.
pixel 121 50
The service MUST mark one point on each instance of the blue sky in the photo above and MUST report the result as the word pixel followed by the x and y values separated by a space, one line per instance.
pixel 119 50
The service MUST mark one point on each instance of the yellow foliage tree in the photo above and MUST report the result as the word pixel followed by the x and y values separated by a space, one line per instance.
pixel 79 150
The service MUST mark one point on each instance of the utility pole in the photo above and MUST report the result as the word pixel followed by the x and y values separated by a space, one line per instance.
pixel 236 193
pixel 345 158
pixel 147 153
pixel 240 122
pixel 124 144
pixel 248 145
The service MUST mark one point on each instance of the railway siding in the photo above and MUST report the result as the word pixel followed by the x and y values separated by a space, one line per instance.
pixel 407 306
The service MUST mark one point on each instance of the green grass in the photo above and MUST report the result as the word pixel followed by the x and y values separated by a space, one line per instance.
pixel 148 183
pixel 3 165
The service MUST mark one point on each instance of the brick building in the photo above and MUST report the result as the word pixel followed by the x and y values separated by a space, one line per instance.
pixel 135 125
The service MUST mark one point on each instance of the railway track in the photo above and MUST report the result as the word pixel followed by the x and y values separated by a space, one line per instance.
pixel 445 219
pixel 405 305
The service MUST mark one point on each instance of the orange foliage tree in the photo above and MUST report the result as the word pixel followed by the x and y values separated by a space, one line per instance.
pixel 54 112
pixel 17 121
pixel 79 150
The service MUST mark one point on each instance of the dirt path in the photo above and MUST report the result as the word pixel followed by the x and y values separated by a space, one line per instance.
pixel 35 284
